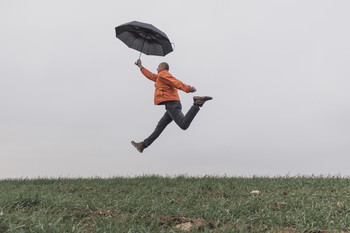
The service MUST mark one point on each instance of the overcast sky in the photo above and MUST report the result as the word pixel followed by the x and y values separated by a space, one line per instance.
pixel 71 98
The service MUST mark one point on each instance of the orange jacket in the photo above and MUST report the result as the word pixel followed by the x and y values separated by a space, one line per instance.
pixel 166 86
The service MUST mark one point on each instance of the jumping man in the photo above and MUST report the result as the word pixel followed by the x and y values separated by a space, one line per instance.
pixel 166 94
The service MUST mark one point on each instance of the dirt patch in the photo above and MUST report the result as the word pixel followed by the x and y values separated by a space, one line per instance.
pixel 186 224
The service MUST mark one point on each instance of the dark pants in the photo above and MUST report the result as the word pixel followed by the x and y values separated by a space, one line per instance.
pixel 173 112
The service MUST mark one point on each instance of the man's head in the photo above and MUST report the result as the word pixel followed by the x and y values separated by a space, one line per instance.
pixel 163 66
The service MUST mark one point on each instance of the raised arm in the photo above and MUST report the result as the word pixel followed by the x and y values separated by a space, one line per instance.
pixel 146 72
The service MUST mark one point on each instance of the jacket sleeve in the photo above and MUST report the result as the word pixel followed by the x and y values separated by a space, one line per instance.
pixel 170 80
pixel 149 74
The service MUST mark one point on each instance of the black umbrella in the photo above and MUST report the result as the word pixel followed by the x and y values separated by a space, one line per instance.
pixel 144 37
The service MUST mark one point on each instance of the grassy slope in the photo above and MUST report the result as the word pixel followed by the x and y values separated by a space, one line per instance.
pixel 162 204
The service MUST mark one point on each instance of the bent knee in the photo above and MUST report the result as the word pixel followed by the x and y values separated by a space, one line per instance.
pixel 184 127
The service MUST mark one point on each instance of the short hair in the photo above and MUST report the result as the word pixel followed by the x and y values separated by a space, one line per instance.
pixel 165 65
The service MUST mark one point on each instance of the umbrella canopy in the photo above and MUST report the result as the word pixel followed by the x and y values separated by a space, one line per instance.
pixel 144 37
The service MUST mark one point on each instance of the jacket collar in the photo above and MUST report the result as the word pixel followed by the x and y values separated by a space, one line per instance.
pixel 162 72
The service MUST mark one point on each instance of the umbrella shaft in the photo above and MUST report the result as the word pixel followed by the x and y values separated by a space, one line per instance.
pixel 144 39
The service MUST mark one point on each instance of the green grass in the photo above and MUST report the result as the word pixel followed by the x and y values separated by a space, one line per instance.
pixel 162 204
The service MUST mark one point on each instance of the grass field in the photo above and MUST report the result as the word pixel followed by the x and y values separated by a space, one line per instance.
pixel 176 204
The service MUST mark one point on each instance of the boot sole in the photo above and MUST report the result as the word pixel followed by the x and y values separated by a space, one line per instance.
pixel 205 98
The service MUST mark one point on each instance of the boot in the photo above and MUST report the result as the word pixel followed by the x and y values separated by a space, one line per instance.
pixel 138 146
pixel 200 100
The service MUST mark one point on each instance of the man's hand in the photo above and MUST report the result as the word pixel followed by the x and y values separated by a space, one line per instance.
pixel 193 89
pixel 139 64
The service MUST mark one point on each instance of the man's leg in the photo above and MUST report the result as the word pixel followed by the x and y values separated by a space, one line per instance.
pixel 173 113
pixel 174 110
pixel 164 121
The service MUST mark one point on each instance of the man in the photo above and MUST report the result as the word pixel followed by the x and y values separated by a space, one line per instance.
pixel 166 94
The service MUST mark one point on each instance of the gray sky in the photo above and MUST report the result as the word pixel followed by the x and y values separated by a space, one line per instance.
pixel 71 98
